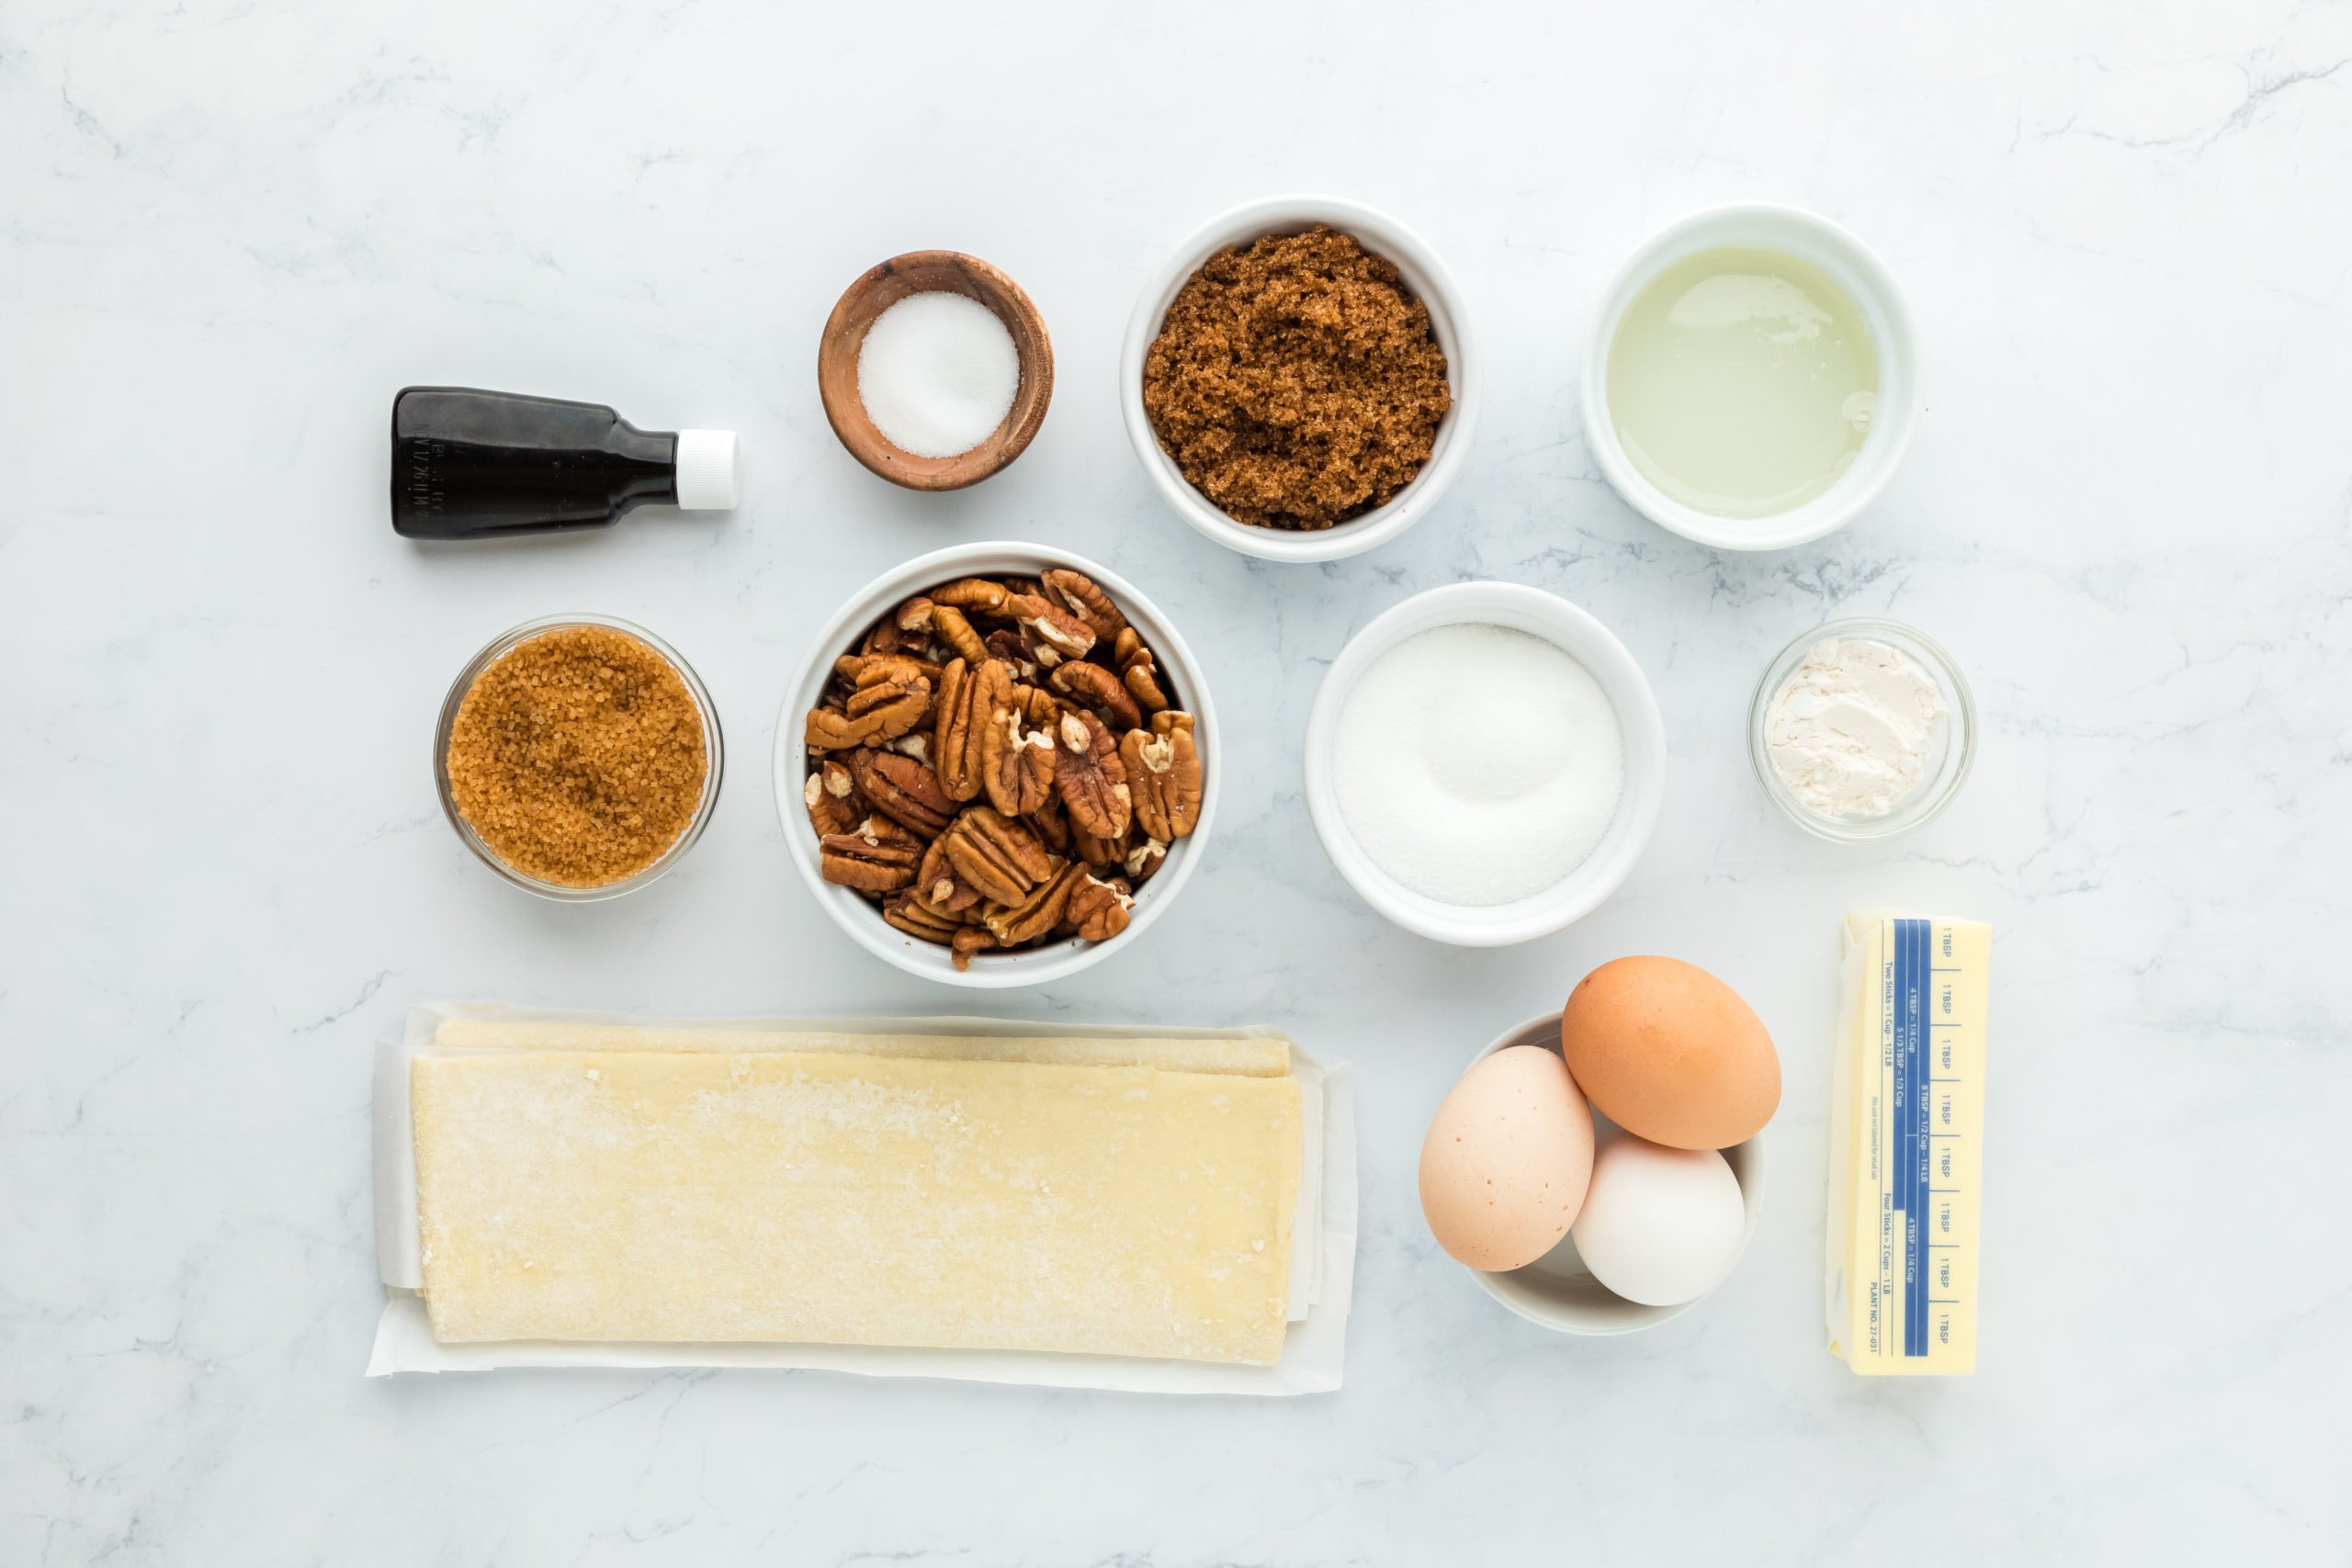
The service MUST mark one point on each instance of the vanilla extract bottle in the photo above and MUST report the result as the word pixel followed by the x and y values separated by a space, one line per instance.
pixel 477 465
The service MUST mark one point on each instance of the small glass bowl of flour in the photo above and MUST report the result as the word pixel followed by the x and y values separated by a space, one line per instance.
pixel 1484 763
pixel 1861 730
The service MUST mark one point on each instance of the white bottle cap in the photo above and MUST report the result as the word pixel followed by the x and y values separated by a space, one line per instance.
pixel 707 480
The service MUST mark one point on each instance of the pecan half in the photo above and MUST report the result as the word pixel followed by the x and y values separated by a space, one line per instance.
pixel 875 857
pixel 954 746
pixel 950 626
pixel 1051 824
pixel 973 701
pixel 1164 771
pixel 1054 632
pixel 1139 672
pixel 969 941
pixel 890 697
pixel 1104 854
pixel 1037 913
pixel 972 593
pixel 1099 909
pixel 1016 764
pixel 1143 859
pixel 1037 707
pixel 903 788
pixel 1019 767
pixel 831 793
pixel 869 669
pixel 1099 689
pixel 1142 681
pixel 1076 593
pixel 937 885
pixel 916 918
pixel 1014 649
pixel 1093 779
pixel 1002 859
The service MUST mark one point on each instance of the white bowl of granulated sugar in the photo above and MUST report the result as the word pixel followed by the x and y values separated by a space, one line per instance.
pixel 1484 763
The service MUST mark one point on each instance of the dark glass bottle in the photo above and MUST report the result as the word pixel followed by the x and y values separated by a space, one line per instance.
pixel 476 465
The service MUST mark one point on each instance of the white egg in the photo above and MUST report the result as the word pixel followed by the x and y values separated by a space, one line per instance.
pixel 1660 1226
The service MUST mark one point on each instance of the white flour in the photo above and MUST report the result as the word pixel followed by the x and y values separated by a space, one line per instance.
pixel 1851 730
pixel 1476 764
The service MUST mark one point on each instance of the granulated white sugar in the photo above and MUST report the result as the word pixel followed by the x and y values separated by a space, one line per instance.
pixel 1477 764
pixel 937 372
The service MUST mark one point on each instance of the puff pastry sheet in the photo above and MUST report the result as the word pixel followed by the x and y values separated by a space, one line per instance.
pixel 828 1197
pixel 1255 1055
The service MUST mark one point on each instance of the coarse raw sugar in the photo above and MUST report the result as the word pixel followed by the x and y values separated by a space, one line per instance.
pixel 1295 381
pixel 578 756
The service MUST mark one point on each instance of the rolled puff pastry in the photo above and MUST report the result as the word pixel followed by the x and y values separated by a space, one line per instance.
pixel 981 1204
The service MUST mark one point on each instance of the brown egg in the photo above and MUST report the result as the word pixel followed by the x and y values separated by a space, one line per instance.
pixel 1507 1159
pixel 1670 1053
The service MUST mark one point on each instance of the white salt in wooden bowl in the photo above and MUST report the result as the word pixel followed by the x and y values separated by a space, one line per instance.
pixel 862 303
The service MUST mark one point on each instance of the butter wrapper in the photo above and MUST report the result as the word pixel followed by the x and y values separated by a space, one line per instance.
pixel 1906 1154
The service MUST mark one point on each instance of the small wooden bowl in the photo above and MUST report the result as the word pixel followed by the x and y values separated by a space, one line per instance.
pixel 920 272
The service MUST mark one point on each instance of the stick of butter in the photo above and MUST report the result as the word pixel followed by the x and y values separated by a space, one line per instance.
pixel 1905 1155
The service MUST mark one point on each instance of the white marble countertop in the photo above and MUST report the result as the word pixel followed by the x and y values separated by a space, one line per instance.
pixel 229 232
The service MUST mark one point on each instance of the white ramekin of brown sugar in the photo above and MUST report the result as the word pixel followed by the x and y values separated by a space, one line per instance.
pixel 1425 278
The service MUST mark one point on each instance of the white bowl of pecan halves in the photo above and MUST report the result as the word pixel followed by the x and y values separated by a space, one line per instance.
pixel 997 766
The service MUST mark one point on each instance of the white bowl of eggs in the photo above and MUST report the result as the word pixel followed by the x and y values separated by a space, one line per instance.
pixel 1600 1170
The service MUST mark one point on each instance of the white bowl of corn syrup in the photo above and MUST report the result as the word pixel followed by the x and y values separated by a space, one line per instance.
pixel 1752 380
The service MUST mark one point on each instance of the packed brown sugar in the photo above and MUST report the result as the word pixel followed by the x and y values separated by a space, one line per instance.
pixel 578 756
pixel 1295 381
